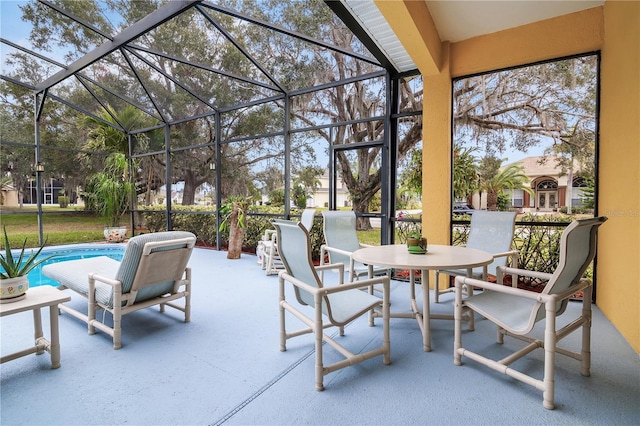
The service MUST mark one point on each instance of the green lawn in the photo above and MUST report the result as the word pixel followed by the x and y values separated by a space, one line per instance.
pixel 61 226
pixel 69 225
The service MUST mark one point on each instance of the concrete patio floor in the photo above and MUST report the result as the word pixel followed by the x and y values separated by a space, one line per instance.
pixel 225 367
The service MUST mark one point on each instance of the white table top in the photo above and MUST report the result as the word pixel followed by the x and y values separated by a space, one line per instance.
pixel 37 297
pixel 437 257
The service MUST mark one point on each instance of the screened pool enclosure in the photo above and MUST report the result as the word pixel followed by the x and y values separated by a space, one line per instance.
pixel 264 100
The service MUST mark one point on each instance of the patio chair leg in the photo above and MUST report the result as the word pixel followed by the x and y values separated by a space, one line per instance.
pixel 318 331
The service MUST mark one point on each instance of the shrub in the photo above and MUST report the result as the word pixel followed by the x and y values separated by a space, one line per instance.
pixel 537 241
pixel 202 222
pixel 407 224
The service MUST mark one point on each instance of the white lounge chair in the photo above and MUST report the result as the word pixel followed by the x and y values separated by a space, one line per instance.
pixel 153 271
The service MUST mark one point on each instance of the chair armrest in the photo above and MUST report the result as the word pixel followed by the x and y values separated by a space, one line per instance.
pixel 284 276
pixel 328 266
pixel 580 285
pixel 506 253
pixel 356 284
pixel 336 250
pixel 461 282
pixel 113 283
pixel 503 270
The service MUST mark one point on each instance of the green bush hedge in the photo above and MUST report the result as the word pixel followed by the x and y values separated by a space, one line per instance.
pixel 537 241
pixel 202 222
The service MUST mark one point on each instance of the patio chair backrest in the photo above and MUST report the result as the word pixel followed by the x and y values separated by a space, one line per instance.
pixel 493 233
pixel 307 218
pixel 340 232
pixel 153 262
pixel 577 249
pixel 295 252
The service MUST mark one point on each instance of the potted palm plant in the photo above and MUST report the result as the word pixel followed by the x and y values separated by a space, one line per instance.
pixel 110 193
pixel 13 276
pixel 234 221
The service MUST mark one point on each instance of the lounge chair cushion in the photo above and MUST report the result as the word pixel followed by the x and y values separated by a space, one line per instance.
pixel 74 274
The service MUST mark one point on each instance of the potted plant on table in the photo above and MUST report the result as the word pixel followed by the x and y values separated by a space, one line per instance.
pixel 416 243
pixel 13 276
pixel 110 193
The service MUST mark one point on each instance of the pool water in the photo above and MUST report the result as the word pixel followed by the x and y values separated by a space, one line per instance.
pixel 71 252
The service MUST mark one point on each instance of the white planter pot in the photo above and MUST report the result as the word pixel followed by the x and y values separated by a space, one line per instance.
pixel 115 234
pixel 13 289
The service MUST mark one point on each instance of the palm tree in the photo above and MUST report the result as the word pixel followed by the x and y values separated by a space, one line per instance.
pixel 511 177
pixel 105 134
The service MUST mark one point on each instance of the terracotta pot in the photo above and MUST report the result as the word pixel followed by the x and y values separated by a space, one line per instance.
pixel 13 289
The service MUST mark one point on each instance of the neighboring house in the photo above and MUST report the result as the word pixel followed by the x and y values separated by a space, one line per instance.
pixel 320 198
pixel 9 196
pixel 550 185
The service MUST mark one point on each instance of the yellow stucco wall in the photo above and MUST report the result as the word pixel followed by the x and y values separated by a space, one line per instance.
pixel 579 32
pixel 436 144
pixel 613 29
pixel 618 280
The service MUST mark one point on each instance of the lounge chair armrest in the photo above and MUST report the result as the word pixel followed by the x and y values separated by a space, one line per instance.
pixel 113 283
pixel 185 281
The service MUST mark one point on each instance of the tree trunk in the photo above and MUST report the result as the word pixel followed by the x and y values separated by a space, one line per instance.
pixel 362 206
pixel 492 201
pixel 236 235
pixel 189 191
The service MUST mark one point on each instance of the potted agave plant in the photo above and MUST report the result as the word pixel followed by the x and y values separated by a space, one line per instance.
pixel 13 276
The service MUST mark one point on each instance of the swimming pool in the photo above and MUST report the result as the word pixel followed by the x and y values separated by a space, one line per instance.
pixel 71 252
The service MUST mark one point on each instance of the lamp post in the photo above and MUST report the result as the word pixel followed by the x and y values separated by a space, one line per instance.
pixel 39 168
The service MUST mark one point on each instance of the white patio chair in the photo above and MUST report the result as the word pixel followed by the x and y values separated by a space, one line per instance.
pixel 341 240
pixel 491 232
pixel 153 271
pixel 333 305
pixel 272 264
pixel 516 311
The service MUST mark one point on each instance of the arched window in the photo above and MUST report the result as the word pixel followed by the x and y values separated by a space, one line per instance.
pixel 547 185
pixel 580 182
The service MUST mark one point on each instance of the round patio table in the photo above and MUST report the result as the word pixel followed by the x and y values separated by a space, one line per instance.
pixel 438 257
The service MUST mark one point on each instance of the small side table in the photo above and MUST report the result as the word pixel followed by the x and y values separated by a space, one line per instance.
pixel 36 298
